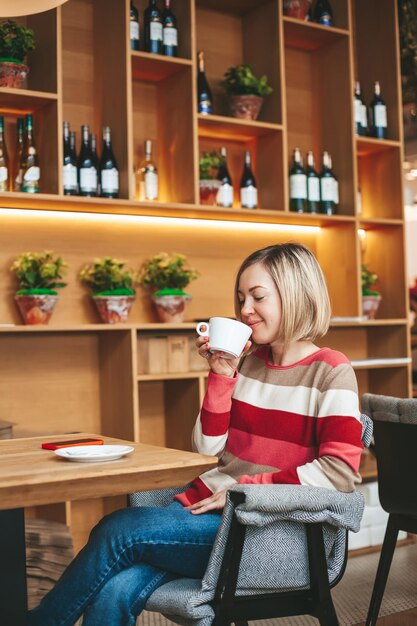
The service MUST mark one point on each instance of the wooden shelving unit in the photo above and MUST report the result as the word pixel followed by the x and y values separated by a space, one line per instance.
pixel 79 375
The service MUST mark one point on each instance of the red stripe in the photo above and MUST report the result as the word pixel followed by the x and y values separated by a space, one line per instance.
pixel 287 477
pixel 324 355
pixel 198 491
pixel 349 454
pixel 274 424
pixel 265 451
pixel 214 424
pixel 344 428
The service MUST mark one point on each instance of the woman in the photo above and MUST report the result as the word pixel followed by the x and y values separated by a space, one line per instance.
pixel 290 415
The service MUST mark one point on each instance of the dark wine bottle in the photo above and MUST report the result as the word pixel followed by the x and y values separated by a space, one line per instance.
pixel 109 172
pixel 31 172
pixel 153 28
pixel 248 188
pixel 298 184
pixel 313 186
pixel 225 193
pixel 323 13
pixel 378 114
pixel 87 170
pixel 17 170
pixel 204 97
pixel 361 122
pixel 327 186
pixel 134 27
pixel 170 31
pixel 335 187
pixel 69 173
pixel 4 159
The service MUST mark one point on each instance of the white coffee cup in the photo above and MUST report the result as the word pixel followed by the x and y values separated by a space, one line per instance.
pixel 226 335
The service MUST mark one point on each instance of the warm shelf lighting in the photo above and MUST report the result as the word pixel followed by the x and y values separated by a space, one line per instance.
pixel 362 238
pixel 175 221
pixel 27 7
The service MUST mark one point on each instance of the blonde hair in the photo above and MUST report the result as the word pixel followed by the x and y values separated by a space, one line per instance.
pixel 302 288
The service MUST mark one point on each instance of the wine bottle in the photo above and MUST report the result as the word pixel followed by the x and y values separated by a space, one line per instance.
pixel 147 176
pixel 298 184
pixel 109 172
pixel 323 13
pixel 378 112
pixel 134 27
pixel 4 159
pixel 70 177
pixel 17 170
pixel 327 186
pixel 248 188
pixel 31 172
pixel 361 122
pixel 170 31
pixel 204 97
pixel 335 185
pixel 313 186
pixel 153 28
pixel 225 193
pixel 87 170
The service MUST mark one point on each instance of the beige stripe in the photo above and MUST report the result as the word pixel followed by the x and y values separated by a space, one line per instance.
pixel 231 465
pixel 319 374
pixel 339 473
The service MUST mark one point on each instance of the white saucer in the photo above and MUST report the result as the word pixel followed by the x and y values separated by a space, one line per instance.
pixel 92 454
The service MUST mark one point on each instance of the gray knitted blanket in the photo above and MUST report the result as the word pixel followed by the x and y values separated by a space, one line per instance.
pixel 275 551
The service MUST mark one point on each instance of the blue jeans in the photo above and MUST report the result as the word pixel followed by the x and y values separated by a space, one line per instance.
pixel 129 554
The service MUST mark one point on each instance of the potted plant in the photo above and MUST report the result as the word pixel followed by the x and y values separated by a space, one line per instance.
pixel 371 298
pixel 16 41
pixel 112 288
pixel 209 185
pixel 246 92
pixel 166 276
pixel 299 9
pixel 39 275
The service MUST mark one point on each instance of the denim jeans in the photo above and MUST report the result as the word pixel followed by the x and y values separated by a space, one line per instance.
pixel 129 554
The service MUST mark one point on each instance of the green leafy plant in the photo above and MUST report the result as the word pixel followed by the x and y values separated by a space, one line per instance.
pixel 166 274
pixel 39 273
pixel 240 80
pixel 209 164
pixel 108 277
pixel 15 41
pixel 368 279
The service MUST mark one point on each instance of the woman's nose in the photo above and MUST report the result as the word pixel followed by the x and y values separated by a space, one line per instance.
pixel 247 307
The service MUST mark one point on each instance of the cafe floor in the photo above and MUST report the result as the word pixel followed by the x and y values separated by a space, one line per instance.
pixel 352 595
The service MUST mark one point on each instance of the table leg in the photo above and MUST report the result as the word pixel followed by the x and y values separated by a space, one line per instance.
pixel 13 592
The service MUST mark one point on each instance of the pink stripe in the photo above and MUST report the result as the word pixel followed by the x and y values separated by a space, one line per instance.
pixel 346 452
pixel 265 451
pixel 218 398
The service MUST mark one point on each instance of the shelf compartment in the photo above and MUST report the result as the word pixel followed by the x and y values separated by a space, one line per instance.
pixel 247 36
pixel 168 410
pixel 390 381
pixel 21 101
pixel 310 36
pixel 154 67
pixel 318 100
pixel 267 163
pixel 380 183
pixel 233 129
pixel 376 56
pixel 237 7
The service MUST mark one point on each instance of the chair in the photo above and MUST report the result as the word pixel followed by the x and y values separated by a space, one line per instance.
pixel 278 552
pixel 395 434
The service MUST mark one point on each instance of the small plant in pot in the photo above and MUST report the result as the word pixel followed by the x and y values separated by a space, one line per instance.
pixel 209 185
pixel 166 276
pixel 371 297
pixel 39 275
pixel 112 288
pixel 16 41
pixel 245 90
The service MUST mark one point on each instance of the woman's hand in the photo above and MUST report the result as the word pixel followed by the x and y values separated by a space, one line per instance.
pixel 218 364
pixel 214 502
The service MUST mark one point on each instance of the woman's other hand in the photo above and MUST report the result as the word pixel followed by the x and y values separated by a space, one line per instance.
pixel 213 503
pixel 218 364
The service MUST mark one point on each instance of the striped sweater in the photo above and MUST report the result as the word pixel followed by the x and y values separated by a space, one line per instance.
pixel 295 424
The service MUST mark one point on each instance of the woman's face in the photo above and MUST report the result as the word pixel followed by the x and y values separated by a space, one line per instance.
pixel 260 303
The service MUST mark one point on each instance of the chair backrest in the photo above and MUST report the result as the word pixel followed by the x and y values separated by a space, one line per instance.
pixel 395 434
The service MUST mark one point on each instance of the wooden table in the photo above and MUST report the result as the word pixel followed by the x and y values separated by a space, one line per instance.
pixel 32 476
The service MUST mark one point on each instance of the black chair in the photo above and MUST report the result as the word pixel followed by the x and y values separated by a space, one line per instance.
pixel 395 449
